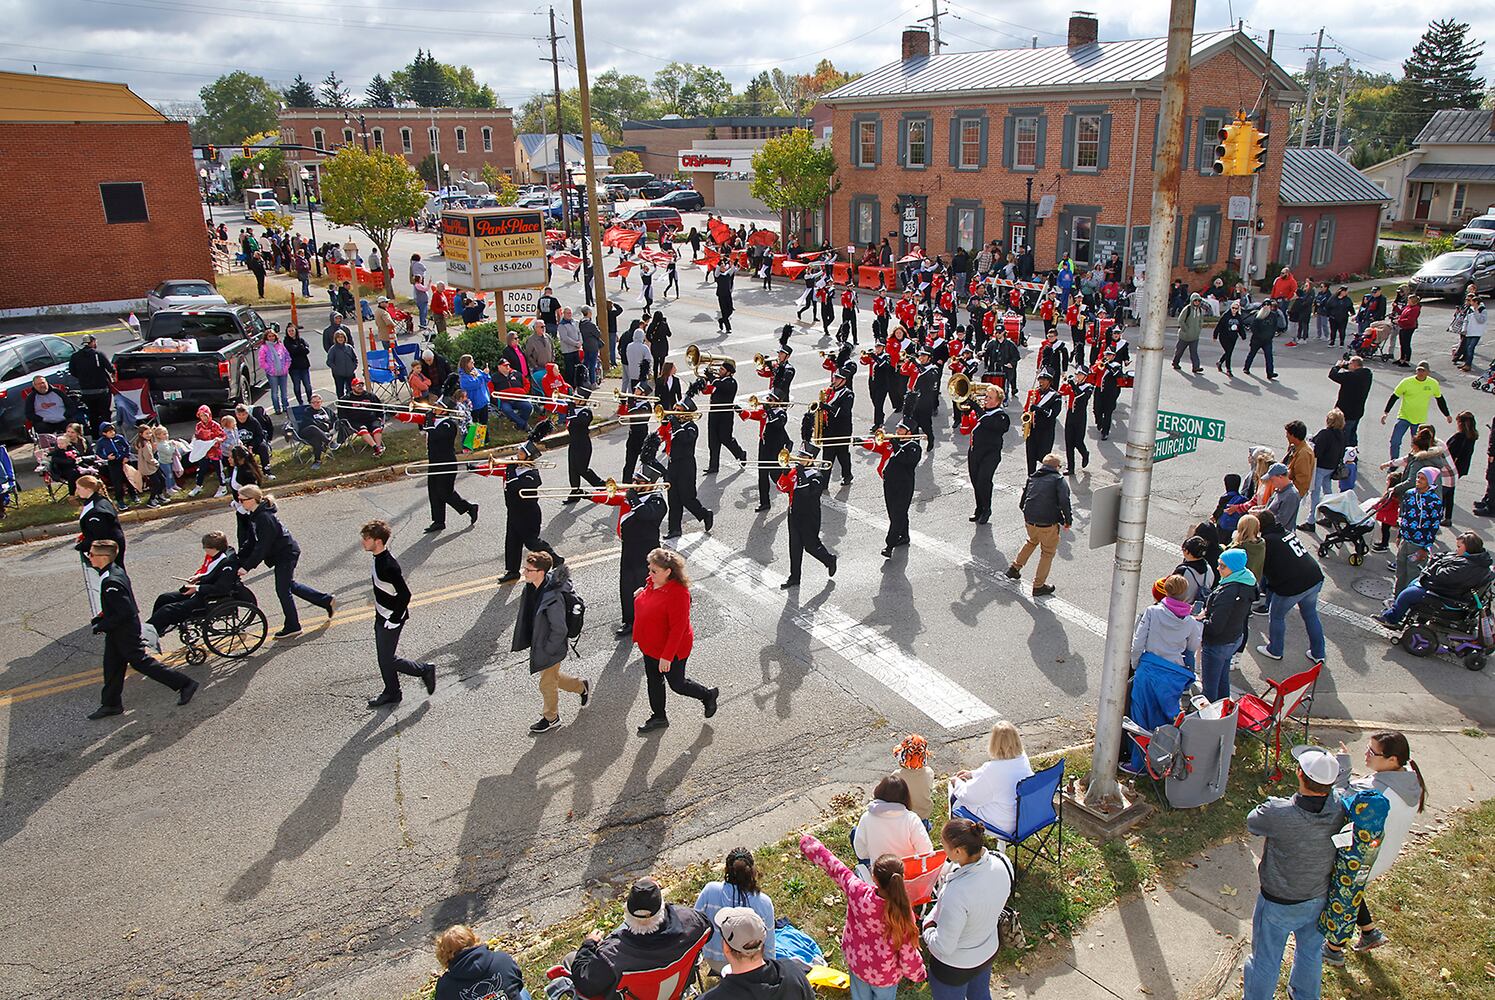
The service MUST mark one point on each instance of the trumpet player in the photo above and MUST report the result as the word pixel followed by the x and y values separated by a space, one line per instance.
pixel 836 417
pixel 1053 354
pixel 640 513
pixel 1041 419
pixel 773 436
pixel 780 372
pixel 803 483
pixel 1076 391
pixel 848 326
pixel 523 523
pixel 924 395
pixel 579 442
pixel 634 412
pixel 1107 373
pixel 900 459
pixel 881 380
pixel 719 385
pixel 987 424
pixel 680 446
pixel 441 488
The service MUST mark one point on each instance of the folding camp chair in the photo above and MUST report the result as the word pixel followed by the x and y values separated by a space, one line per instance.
pixel 299 447
pixel 920 873
pixel 668 982
pixel 1264 719
pixel 387 382
pixel 1188 760
pixel 10 492
pixel 1036 813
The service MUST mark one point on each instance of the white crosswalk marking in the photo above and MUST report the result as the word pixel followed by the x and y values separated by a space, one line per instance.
pixel 913 680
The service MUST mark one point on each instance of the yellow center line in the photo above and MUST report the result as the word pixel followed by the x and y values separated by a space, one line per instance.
pixel 360 613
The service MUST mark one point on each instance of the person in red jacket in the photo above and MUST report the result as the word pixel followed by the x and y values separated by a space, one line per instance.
pixel 662 632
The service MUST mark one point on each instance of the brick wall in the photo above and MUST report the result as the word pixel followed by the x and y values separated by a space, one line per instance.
pixel 659 148
pixel 299 125
pixel 56 248
pixel 1352 239
pixel 996 192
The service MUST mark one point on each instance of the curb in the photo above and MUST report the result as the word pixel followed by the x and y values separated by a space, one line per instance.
pixel 141 515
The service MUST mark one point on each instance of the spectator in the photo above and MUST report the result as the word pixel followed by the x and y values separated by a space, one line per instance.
pixel 418 381
pixel 1168 628
pixel 538 353
pixel 1354 381
pixel 1454 576
pixel 421 290
pixel 1198 574
pixel 1294 579
pixel 1283 498
pixel 1190 325
pixel 1296 864
pixel 475 970
pixel 663 634
pixel 442 304
pixel 754 973
pixel 300 367
pixel 1328 452
pixel 1338 310
pixel 1247 538
pixel 592 347
pixel 1227 610
pixel 509 391
pixel 540 627
pixel 275 362
pixel 913 767
pixel 1460 453
pixel 960 930
pixel 94 374
pixel 655 935
pixel 990 791
pixel 474 381
pixel 1414 393
pixel 1406 325
pixel 1046 510
pixel 438 369
pixel 1418 519
pixel 1264 328
pixel 1284 286
pixel 1299 457
pixel 342 362
pixel 569 335
pixel 1471 320
pixel 329 332
pixel 737 888
pixel 880 939
pixel 46 407
pixel 889 824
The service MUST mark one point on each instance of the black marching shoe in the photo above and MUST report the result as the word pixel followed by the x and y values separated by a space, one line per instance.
pixel 831 569
pixel 652 723
pixel 386 698
pixel 709 520
pixel 432 528
pixel 428 678
pixel 710 702
pixel 761 508
pixel 793 581
pixel 186 693
pixel 104 711
pixel 507 578
pixel 623 630
pixel 586 693
pixel 472 516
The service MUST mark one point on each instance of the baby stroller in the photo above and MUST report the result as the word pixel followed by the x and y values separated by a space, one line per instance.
pixel 1486 382
pixel 1348 522
pixel 1375 342
pixel 1461 627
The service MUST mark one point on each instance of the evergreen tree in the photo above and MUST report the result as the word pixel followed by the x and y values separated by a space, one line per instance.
pixel 300 94
pixel 379 94
pixel 424 82
pixel 334 92
pixel 1438 75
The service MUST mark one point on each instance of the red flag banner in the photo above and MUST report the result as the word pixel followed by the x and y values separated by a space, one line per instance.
pixel 720 231
pixel 793 267
pixel 661 257
pixel 622 239
pixel 555 234
pixel 762 238
pixel 708 259
pixel 621 271
pixel 565 261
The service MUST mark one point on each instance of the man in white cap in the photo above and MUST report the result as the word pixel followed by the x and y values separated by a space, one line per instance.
pixel 1297 863
pixel 748 975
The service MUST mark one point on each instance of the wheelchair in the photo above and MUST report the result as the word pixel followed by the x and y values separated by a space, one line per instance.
pixel 1461 627
pixel 232 629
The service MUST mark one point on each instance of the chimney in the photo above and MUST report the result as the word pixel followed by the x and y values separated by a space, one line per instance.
pixel 915 43
pixel 1084 29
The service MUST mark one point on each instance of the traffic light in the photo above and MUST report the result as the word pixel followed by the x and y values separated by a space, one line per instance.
pixel 210 153
pixel 1253 150
pixel 1225 152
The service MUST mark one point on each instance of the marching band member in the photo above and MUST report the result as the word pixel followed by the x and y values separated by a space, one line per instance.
pixel 1107 393
pixel 836 416
pixel 638 430
pixel 680 446
pixel 118 620
pixel 1053 354
pixel 1048 308
pixel 720 387
pixel 880 379
pixel 1041 414
pixel 879 316
pixel 522 527
pixel 848 313
pixel 897 469
pixel 782 376
pixel 987 427
pixel 1117 346
pixel 924 394
pixel 1076 391
pixel 441 451
pixel 391 614
pixel 578 445
pixel 977 324
pixel 773 436
pixel 939 347
pixel 1076 329
pixel 907 310
pixel 947 306
pixel 804 484
pixel 273 545
pixel 668 386
pixel 640 514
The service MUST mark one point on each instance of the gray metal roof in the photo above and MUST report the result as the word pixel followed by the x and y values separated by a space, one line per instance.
pixel 1128 62
pixel 1458 126
pixel 1322 177
pixel 544 145
pixel 1452 172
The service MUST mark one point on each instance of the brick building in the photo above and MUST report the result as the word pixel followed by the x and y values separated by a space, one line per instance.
pixel 99 197
pixel 659 142
pixel 966 146
pixel 1329 216
pixel 466 139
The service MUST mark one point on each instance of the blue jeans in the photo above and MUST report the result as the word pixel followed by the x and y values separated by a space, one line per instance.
pixel 1214 668
pixel 978 987
pixel 422 309
pixel 1266 350
pixel 1321 480
pixel 306 286
pixel 1270 926
pixel 1409 596
pixel 1466 351
pixel 594 368
pixel 301 379
pixel 1398 431
pixel 1307 604
pixel 1352 431
pixel 278 394
pixel 863 991
pixel 517 412
pixel 286 587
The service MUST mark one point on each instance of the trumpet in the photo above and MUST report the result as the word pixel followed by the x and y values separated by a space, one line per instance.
pixel 755 403
pixel 761 362
pixel 697 357
pixel 661 414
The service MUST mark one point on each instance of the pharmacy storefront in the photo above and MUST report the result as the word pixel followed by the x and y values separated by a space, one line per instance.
pixel 722 172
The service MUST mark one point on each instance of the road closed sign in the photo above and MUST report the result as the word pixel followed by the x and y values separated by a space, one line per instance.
pixel 494 249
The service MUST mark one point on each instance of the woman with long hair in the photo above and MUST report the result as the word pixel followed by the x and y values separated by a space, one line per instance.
pixel 880 939
pixel 738 887
pixel 662 632
pixel 960 930
pixel 273 545
pixel 243 471
pixel 1460 446
pixel 300 371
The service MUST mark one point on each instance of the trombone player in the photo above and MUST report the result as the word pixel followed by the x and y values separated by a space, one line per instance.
pixel 641 510
pixel 804 483
pixel 441 487
pixel 773 436
pixel 1041 419
pixel 881 380
pixel 719 385
pixel 522 530
pixel 900 453
pixel 988 427
pixel 680 446
pixel 578 410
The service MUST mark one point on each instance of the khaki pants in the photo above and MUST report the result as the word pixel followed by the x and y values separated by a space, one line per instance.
pixel 551 682
pixel 1045 538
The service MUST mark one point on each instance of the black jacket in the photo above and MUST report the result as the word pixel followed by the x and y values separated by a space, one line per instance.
pixel 991 429
pixel 597 968
pixel 100 522
pixel 272 543
pixel 119 617
pixel 222 581
pixel 1263 329
pixel 1354 390
pixel 441 441
pixel 1045 498
pixel 480 973
pixel 1230 324
pixel 300 352
pixel 1328 448
pixel 1288 568
pixel 1456 575
pixel 775 979
pixel 91 369
pixel 1225 612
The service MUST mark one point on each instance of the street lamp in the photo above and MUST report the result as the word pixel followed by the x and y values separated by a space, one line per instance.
pixel 306 197
pixel 448 168
pixel 203 173
pixel 363 132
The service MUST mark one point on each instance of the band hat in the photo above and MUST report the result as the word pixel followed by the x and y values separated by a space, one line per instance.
pixel 1318 763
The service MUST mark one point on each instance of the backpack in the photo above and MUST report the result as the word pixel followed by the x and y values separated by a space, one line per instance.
pixel 576 614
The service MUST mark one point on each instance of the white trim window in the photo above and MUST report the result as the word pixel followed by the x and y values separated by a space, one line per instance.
pixel 318 138
pixel 461 139
pixel 407 141
pixel 1087 142
pixel 434 134
pixel 487 139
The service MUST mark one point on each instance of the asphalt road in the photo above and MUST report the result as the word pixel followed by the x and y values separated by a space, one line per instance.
pixel 277 838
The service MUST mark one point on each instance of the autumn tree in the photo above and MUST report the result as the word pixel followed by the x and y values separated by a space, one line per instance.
pixel 376 193
pixel 500 184
pixel 626 162
pixel 792 174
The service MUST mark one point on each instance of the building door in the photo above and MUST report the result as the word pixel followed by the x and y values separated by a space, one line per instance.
pixel 1424 203
pixel 1018 235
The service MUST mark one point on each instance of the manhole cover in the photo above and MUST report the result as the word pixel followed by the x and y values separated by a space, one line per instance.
pixel 1376 588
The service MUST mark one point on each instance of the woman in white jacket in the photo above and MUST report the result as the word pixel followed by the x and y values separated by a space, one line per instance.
pixel 889 825
pixel 960 930
pixel 990 791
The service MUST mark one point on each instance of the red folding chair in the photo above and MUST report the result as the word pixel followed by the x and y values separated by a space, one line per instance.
pixel 1263 716
pixel 920 873
pixel 665 983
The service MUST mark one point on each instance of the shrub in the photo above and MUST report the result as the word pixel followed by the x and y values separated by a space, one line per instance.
pixel 481 340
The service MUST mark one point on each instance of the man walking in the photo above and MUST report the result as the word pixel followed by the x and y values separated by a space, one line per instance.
pixel 1045 507
pixel 1293 579
pixel 391 612
pixel 1414 393
pixel 1190 325
pixel 540 627
pixel 1354 380
pixel 1263 332
pixel 118 621
pixel 1297 862
pixel 94 374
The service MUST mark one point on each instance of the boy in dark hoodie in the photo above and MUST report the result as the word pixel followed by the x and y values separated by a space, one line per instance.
pixel 473 970
pixel 1230 498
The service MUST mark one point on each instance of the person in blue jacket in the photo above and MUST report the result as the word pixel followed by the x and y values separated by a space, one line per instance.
pixel 475 971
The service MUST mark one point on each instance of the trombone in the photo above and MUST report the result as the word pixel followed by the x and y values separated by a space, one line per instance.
pixel 479 466
pixel 611 488
pixel 878 437
pixel 369 404
pixel 619 394
pixel 661 414
pixel 697 358
pixel 788 459
pixel 754 403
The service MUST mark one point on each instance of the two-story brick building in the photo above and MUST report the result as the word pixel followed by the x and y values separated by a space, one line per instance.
pixel 961 148
pixel 466 139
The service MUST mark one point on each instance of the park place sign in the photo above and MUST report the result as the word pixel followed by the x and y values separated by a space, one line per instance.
pixel 489 249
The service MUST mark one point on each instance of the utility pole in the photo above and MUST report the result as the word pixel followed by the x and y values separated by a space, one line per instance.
pixel 594 228
pixel 1262 116
pixel 560 138
pixel 1313 83
pixel 1103 794
pixel 1344 83
pixel 934 26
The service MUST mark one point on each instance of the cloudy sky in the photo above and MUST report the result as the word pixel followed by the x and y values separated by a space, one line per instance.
pixel 167 49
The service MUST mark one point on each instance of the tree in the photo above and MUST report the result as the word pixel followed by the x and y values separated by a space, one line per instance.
pixel 791 173
pixel 300 94
pixel 1439 75
pixel 335 92
pixel 617 97
pixel 266 164
pixel 235 105
pixel 422 82
pixel 379 94
pixel 797 92
pixel 465 90
pixel 759 98
pixel 429 170
pixel 626 162
pixel 376 193
pixel 500 184
pixel 537 114
pixel 691 91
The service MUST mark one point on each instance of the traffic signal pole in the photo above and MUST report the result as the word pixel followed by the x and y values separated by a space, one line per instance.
pixel 1263 118
pixel 1103 797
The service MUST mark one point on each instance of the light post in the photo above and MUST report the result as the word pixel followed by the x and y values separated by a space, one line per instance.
pixel 363 132
pixel 351 250
pixel 447 167
pixel 203 173
pixel 1027 216
pixel 306 197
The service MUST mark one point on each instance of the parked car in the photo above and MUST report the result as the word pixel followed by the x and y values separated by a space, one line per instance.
pixel 535 199
pixel 265 205
pixel 22 358
pixel 1448 274
pixel 653 218
pixel 657 189
pixel 191 293
pixel 619 191
pixel 1478 235
pixel 685 201
pixel 215 360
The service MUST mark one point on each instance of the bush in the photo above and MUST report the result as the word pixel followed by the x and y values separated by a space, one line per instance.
pixel 481 340
pixel 1230 276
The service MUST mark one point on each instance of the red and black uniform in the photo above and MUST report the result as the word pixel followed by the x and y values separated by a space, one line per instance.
pixel 1076 392
pixel 848 315
pixel 804 487
pixel 639 518
pixel 721 388
pixel 773 436
pixel 987 429
pixel 1044 405
pixel 897 469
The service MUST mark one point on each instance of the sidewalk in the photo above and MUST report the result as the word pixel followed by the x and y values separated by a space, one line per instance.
pixel 1187 941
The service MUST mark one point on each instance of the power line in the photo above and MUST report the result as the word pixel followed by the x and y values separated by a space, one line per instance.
pixel 260 17
pixel 1013 24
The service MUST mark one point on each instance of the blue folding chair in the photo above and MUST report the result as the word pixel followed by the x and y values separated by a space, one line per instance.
pixel 10 491
pixel 1036 814
pixel 386 375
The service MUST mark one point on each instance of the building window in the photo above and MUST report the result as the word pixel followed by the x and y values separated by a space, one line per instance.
pixel 124 202
pixel 347 137
pixel 1025 144
pixel 918 143
pixel 434 134
pixel 406 143
pixel 1087 143
pixel 864 225
pixel 1209 138
pixel 1323 241
pixel 970 144
pixel 318 138
pixel 1201 240
pixel 487 139
pixel 1292 237
pixel 965 228
pixel 866 144
pixel 1080 240
pixel 1019 235
pixel 461 140
pixel 379 139
pixel 1456 206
